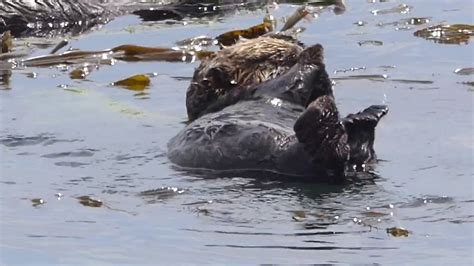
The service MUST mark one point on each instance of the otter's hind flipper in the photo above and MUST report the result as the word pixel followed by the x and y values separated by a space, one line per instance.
pixel 323 136
pixel 360 128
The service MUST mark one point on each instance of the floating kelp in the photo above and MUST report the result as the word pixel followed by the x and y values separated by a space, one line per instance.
pixel 464 71
pixel 231 37
pixel 37 202
pixel 447 34
pixel 375 214
pixel 412 81
pixel 398 232
pixel 135 83
pixel 160 194
pixel 402 9
pixel 370 42
pixel 416 21
pixel 122 52
pixel 131 50
pixel 201 41
pixel 12 55
pixel 299 216
pixel 82 71
pixel 69 57
pixel 142 53
pixel 468 83
pixel 90 202
pixel 59 46
pixel 7 42
pixel 168 56
pixel 352 69
pixel 369 77
pixel 407 22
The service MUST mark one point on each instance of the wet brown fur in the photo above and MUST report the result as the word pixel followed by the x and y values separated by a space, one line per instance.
pixel 249 62
pixel 254 61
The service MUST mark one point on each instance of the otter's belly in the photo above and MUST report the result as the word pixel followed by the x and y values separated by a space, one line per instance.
pixel 251 135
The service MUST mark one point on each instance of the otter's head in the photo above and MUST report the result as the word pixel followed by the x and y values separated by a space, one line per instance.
pixel 239 66
pixel 205 89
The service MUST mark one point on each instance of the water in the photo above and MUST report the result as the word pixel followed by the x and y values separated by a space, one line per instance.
pixel 86 138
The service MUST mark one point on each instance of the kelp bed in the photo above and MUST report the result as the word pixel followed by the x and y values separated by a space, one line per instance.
pixel 83 63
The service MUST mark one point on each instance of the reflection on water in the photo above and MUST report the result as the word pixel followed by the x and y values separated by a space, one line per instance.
pixel 87 140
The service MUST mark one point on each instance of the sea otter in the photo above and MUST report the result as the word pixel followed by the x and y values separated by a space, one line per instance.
pixel 45 18
pixel 275 112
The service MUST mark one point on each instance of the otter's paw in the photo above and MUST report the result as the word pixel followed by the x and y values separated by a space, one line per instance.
pixel 319 129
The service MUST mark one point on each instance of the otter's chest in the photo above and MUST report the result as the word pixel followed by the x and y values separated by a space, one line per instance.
pixel 248 135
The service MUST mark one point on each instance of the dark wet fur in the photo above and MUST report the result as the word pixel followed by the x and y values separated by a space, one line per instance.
pixel 247 132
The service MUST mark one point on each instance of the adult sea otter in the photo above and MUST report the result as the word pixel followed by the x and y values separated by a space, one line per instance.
pixel 267 105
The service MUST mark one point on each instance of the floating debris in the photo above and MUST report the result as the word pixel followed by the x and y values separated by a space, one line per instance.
pixel 198 202
pixel 82 72
pixel 352 69
pixel 416 81
pixel 402 9
pixel 59 46
pixel 135 83
pixel 387 67
pixel 468 83
pixel 299 216
pixel 197 41
pixel 90 202
pixel 38 201
pixel 160 194
pixel 417 21
pixel 405 23
pixel 299 14
pixel 464 71
pixel 447 34
pixel 375 214
pixel 7 42
pixel 360 23
pixel 398 232
pixel 370 42
pixel 59 195
pixel 369 77
pixel 162 191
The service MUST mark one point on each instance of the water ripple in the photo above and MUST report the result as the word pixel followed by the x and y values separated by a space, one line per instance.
pixel 304 247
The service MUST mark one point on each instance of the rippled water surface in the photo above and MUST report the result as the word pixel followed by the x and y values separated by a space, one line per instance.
pixel 61 139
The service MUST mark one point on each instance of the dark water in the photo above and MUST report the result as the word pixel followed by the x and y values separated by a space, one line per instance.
pixel 88 138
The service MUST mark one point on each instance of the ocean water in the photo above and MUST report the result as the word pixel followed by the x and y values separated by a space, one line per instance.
pixel 87 138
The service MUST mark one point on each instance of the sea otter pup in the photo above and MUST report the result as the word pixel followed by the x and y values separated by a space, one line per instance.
pixel 280 117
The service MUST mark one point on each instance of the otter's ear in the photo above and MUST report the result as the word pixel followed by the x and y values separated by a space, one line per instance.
pixel 319 129
pixel 313 55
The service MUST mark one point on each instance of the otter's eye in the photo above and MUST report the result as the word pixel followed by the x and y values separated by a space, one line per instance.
pixel 219 77
pixel 206 82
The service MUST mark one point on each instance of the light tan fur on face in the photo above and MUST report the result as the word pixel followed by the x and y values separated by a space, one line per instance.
pixel 253 61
